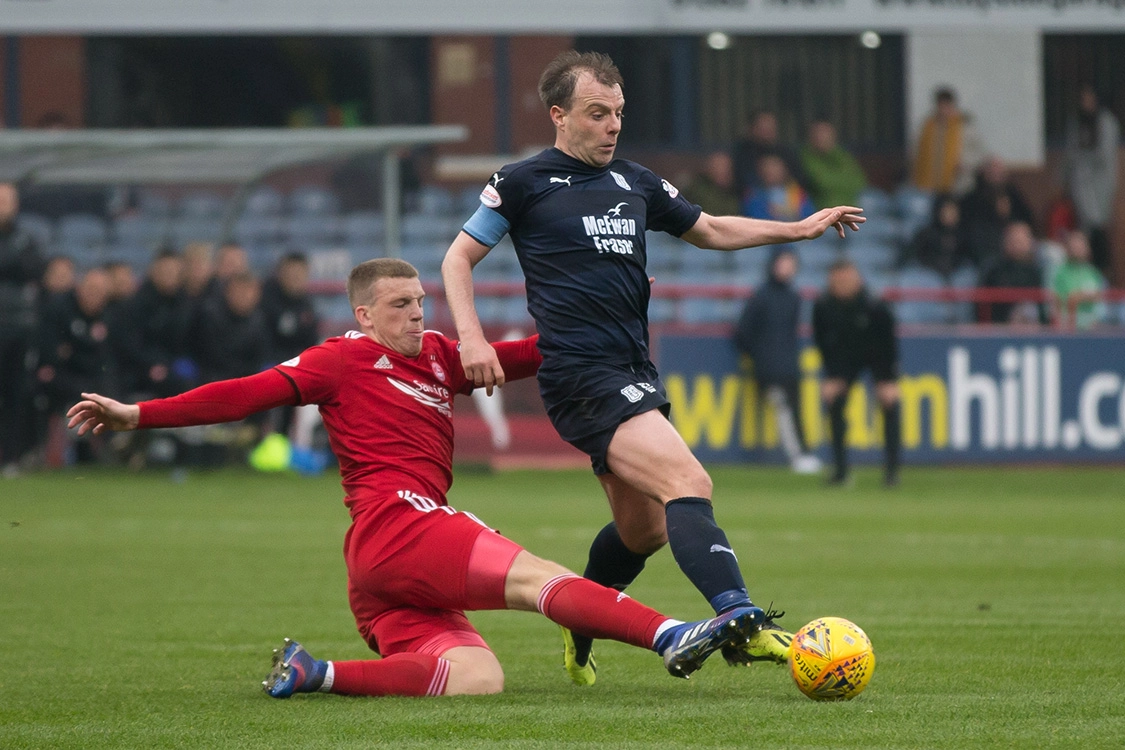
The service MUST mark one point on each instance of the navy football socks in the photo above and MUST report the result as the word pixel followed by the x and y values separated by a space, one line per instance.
pixel 702 551
pixel 611 564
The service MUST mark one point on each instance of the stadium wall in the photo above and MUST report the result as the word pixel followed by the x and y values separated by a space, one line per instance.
pixel 980 398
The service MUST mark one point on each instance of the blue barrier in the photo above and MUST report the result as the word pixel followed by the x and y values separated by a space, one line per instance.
pixel 982 398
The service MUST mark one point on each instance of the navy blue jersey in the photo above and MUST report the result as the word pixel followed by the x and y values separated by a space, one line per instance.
pixel 579 234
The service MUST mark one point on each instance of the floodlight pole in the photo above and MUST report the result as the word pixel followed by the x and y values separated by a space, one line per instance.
pixel 392 204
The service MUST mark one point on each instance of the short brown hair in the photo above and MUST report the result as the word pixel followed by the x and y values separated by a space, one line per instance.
pixel 363 276
pixel 556 85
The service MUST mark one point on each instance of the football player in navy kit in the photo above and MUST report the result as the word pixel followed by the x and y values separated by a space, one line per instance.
pixel 577 218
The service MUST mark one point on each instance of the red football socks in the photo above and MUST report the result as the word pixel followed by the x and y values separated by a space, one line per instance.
pixel 599 612
pixel 399 674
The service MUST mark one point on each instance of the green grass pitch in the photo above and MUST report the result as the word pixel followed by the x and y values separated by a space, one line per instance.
pixel 140 613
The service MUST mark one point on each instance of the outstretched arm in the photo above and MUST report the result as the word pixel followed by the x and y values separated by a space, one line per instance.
pixel 737 232
pixel 222 401
pixel 520 358
pixel 482 368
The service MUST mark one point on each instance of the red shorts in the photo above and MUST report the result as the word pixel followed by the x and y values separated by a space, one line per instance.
pixel 414 566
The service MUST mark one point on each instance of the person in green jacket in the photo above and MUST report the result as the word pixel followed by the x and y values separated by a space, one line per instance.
pixel 1078 285
pixel 834 175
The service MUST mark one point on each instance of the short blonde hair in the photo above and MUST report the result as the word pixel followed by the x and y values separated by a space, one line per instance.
pixel 364 276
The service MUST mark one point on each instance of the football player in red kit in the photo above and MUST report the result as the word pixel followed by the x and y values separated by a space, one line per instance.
pixel 414 564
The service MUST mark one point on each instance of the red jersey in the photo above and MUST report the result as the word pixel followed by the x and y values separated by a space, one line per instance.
pixel 389 417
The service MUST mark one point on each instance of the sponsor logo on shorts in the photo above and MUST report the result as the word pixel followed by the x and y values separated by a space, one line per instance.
pixel 620 181
pixel 632 393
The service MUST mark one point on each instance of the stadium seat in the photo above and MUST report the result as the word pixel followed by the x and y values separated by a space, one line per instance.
pixel 664 254
pixel 869 254
pixel 256 229
pixel 82 230
pixel 313 200
pixel 913 206
pixel 154 204
pixel 364 228
pixel 699 310
pixel 436 200
pixel 136 255
pixel 426 257
pixel 38 227
pixel 418 227
pixel 201 205
pixel 876 204
pixel 187 230
pixel 468 200
pixel 661 310
pixel 263 201
pixel 309 231
pixel 140 229
pixel 816 254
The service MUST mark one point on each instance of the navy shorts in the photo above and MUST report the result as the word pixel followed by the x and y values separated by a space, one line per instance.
pixel 587 402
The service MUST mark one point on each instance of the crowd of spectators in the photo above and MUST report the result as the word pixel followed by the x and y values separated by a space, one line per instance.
pixel 979 221
pixel 197 316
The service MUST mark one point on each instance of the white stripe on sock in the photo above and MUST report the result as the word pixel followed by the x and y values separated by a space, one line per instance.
pixel 441 677
pixel 329 678
pixel 547 587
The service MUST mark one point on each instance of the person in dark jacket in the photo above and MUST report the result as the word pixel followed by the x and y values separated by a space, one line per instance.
pixel 233 337
pixel 767 333
pixel 76 354
pixel 21 265
pixel 151 327
pixel 940 245
pixel 856 333
pixel 993 204
pixel 1017 269
pixel 288 309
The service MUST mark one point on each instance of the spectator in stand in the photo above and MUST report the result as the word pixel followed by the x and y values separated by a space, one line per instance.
pixel 58 278
pixel 767 333
pixel 940 245
pixel 288 310
pixel 287 306
pixel 76 355
pixel 778 197
pixel 123 282
pixel 835 178
pixel 199 271
pixel 1078 285
pixel 21 267
pixel 991 206
pixel 231 261
pixel 233 340
pixel 1092 142
pixel 150 329
pixel 714 188
pixel 948 148
pixel 1017 269
pixel 762 140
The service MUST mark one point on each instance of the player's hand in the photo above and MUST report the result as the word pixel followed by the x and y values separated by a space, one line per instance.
pixel 97 414
pixel 482 366
pixel 839 217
